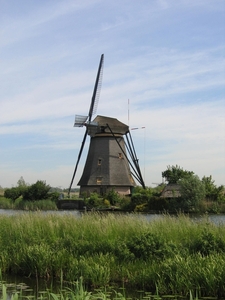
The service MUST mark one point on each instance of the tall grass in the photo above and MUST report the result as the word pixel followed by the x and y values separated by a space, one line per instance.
pixel 20 204
pixel 46 204
pixel 174 254
pixel 5 203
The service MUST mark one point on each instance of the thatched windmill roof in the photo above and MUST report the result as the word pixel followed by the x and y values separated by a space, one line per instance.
pixel 101 125
pixel 171 191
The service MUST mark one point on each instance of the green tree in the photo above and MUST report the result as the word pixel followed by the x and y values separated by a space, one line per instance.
pixel 21 185
pixel 21 182
pixel 12 193
pixel 15 192
pixel 212 192
pixel 192 192
pixel 174 173
pixel 37 191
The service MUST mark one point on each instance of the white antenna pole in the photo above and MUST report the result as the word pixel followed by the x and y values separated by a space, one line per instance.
pixel 144 151
pixel 128 112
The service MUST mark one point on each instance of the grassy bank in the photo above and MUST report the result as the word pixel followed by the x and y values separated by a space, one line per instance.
pixel 174 254
pixel 21 204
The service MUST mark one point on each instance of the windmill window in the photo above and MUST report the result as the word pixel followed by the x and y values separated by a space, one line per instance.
pixel 99 180
pixel 120 155
pixel 99 162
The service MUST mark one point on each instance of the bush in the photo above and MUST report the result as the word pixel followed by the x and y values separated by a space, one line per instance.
pixel 125 203
pixel 106 202
pixel 145 245
pixel 36 191
pixel 113 197
pixel 207 243
pixel 54 196
pixel 141 208
pixel 158 203
pixel 139 197
pixel 94 201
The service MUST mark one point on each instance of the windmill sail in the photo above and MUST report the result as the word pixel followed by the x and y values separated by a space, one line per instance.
pixel 81 120
pixel 97 89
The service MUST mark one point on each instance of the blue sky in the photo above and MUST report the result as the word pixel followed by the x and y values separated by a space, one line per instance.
pixel 166 56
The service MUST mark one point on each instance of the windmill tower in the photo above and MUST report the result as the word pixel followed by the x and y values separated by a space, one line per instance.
pixel 111 162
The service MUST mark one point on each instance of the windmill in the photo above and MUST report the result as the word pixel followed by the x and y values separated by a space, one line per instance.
pixel 111 161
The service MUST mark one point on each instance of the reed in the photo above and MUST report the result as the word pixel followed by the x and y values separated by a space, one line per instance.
pixel 5 203
pixel 20 204
pixel 175 254
pixel 43 205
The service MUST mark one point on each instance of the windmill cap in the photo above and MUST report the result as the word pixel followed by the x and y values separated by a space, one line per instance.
pixel 115 125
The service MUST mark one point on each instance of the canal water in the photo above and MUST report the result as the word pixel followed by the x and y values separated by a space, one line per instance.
pixel 216 219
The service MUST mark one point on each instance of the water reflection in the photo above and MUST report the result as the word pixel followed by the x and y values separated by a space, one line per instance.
pixel 12 212
pixel 29 286
pixel 216 219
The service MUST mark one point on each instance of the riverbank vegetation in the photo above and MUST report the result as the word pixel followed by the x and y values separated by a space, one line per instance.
pixel 174 255
pixel 21 204
pixel 29 197
pixel 186 192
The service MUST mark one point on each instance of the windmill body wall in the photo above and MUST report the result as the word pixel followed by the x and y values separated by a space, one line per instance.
pixel 102 190
pixel 106 166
